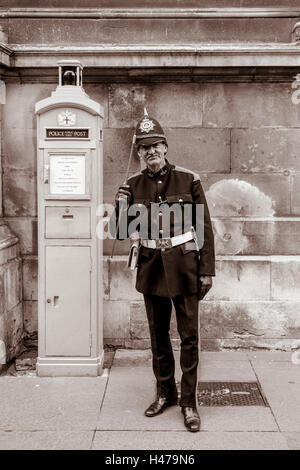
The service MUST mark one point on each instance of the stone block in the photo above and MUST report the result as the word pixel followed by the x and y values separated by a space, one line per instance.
pixel 241 279
pixel 250 320
pixel 98 93
pixel 116 151
pixel 249 105
pixel 138 321
pixel 19 194
pixel 133 343
pixel 114 342
pixel 257 237
pixel 121 247
pixel 234 236
pixel 250 343
pixel 111 182
pixel 198 149
pixel 139 328
pixel 127 102
pixel 262 195
pixel 295 195
pixel 26 229
pixel 132 358
pixel 30 278
pixel 150 3
pixel 19 149
pixel 286 238
pixel 121 281
pixel 13 284
pixel 116 319
pixel 264 150
pixel 285 272
pixel 30 313
pixel 18 112
pixel 65 31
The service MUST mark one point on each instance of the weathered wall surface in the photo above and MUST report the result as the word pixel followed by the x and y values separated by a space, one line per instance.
pixel 243 140
pixel 11 312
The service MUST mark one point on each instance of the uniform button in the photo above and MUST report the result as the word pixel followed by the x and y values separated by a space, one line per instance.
pixel 159 198
pixel 159 181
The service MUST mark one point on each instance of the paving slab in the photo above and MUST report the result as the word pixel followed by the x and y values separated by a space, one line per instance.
pixel 46 440
pixel 219 371
pixel 183 440
pixel 60 403
pixel 131 390
pixel 237 418
pixel 293 440
pixel 280 382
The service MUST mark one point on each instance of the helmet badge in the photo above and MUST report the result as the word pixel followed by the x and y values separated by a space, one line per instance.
pixel 146 125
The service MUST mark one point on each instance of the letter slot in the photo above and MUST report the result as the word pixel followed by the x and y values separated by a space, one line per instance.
pixel 62 223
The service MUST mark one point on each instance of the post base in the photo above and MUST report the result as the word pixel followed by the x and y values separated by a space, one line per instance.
pixel 70 366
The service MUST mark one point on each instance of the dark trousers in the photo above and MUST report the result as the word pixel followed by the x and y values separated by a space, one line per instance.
pixel 159 315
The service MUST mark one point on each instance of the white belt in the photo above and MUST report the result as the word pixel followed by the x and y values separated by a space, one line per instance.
pixel 168 242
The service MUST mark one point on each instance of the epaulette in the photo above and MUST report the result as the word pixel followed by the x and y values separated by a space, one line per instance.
pixel 196 177
pixel 135 174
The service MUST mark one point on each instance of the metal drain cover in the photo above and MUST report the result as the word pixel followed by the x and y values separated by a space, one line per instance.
pixel 230 394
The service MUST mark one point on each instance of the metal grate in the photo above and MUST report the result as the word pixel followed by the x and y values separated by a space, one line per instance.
pixel 230 394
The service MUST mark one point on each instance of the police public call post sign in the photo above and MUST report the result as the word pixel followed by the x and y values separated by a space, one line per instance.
pixel 58 133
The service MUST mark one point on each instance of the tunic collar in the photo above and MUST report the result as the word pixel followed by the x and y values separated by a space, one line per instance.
pixel 161 173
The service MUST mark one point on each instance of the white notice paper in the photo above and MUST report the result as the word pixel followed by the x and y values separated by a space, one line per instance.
pixel 67 174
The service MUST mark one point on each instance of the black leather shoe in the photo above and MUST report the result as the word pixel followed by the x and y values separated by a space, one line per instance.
pixel 159 405
pixel 191 418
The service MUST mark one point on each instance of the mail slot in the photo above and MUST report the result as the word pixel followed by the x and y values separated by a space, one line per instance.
pixel 68 222
pixel 70 175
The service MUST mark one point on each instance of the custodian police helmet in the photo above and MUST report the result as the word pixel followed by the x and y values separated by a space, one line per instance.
pixel 149 131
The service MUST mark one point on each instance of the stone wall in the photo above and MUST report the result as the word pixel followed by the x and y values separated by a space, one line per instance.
pixel 243 140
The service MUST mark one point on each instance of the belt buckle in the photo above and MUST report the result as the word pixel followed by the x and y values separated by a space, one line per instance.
pixel 163 243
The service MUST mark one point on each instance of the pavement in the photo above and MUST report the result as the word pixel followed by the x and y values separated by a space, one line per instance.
pixel 107 412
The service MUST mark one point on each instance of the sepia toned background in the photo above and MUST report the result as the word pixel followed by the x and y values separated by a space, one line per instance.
pixel 220 83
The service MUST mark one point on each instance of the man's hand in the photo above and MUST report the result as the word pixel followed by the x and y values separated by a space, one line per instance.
pixel 205 283
pixel 123 194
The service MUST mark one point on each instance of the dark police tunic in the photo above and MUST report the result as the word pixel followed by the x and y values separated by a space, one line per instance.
pixel 175 270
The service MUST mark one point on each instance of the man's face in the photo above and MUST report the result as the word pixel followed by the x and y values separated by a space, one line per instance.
pixel 153 155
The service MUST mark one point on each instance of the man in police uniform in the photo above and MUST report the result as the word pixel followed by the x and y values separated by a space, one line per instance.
pixel 177 268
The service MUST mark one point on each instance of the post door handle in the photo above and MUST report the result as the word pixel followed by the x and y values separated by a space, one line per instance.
pixel 55 300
